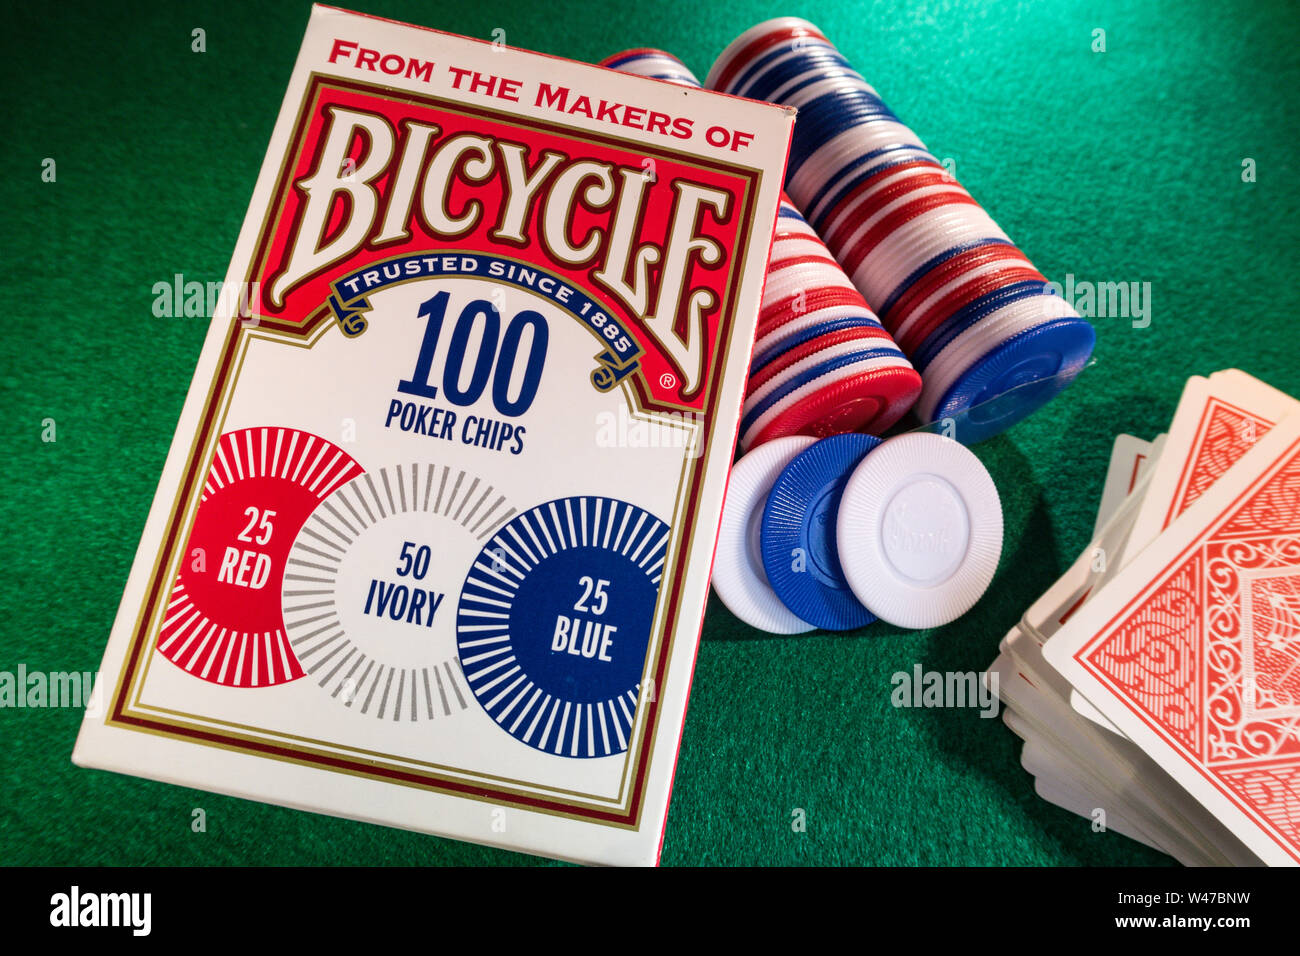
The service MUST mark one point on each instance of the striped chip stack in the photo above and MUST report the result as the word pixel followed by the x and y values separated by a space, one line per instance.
pixel 655 64
pixel 976 319
pixel 823 363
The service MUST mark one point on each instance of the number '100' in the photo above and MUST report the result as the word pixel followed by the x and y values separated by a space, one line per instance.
pixel 496 359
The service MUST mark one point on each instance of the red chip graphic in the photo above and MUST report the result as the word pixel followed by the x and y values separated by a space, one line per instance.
pixel 224 622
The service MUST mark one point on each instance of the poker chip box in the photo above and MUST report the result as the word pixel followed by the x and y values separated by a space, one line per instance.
pixel 432 544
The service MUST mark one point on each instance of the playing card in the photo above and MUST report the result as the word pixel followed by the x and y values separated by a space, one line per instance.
pixel 1129 458
pixel 1218 419
pixel 1046 615
pixel 1059 796
pixel 1194 651
pixel 1121 774
pixel 1059 782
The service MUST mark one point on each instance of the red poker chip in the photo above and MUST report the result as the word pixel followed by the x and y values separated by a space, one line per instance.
pixel 879 200
pixel 780 33
pixel 887 226
pixel 870 183
pixel 812 347
pixel 782 264
pixel 792 307
pixel 962 296
pixel 944 273
pixel 806 232
pixel 870 401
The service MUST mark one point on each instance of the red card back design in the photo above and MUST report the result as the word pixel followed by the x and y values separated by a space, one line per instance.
pixel 1226 433
pixel 1209 656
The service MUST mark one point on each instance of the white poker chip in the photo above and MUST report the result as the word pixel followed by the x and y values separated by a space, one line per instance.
pixel 922 310
pixel 847 150
pixel 770 336
pixel 738 576
pixel 919 240
pixel 867 184
pixel 788 227
pixel 919 530
pixel 808 278
pixel 819 357
pixel 795 247
pixel 852 213
pixel 738 45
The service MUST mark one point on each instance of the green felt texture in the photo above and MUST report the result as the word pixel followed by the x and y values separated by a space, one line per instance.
pixel 1116 166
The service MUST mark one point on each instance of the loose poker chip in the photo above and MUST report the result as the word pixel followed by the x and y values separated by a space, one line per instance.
pixel 738 575
pixel 798 536
pixel 919 527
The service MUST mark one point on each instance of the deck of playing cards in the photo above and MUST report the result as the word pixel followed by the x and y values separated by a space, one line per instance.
pixel 1157 684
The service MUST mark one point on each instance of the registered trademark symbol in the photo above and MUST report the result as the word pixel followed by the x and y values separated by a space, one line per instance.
pixel 668 380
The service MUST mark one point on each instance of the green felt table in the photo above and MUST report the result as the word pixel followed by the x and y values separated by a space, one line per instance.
pixel 1122 165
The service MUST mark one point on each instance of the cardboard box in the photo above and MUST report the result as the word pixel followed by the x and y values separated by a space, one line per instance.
pixel 432 544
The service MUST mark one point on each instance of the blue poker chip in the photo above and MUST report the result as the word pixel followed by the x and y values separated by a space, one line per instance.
pixel 750 82
pixel 826 117
pixel 1016 378
pixel 761 359
pixel 798 379
pixel 798 539
pixel 861 168
pixel 920 271
pixel 808 68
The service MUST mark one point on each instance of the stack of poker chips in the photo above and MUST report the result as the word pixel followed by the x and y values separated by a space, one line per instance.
pixel 823 363
pixel 965 305
pixel 655 64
